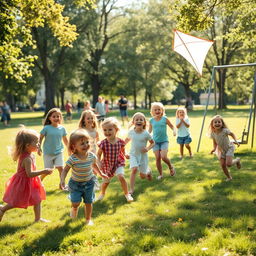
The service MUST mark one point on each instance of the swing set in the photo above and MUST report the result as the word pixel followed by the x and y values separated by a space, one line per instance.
pixel 250 118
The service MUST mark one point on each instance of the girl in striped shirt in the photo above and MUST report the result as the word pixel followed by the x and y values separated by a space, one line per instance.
pixel 81 184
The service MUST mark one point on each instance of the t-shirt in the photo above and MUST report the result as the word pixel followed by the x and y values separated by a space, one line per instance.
pixel 138 141
pixel 100 108
pixel 222 139
pixel 183 131
pixel 159 129
pixel 53 139
pixel 123 101
pixel 81 169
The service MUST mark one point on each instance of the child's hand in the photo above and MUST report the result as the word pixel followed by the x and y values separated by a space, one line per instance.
pixel 144 150
pixel 212 151
pixel 48 171
pixel 62 185
pixel 103 175
pixel 174 133
pixel 237 143
pixel 127 156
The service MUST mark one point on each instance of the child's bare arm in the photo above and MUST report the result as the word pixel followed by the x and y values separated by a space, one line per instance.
pixel 168 122
pixel 63 176
pixel 234 138
pixel 126 140
pixel 39 151
pixel 65 140
pixel 151 145
pixel 98 171
pixel 186 124
pixel 214 146
pixel 150 128
pixel 27 163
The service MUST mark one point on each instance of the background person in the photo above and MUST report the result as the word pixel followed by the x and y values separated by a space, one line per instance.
pixel 123 103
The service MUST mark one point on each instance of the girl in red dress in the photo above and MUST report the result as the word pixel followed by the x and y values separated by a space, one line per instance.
pixel 24 188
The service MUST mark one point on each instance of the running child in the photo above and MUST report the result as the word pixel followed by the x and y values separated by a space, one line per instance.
pixel 24 188
pixel 158 124
pixel 139 137
pixel 81 184
pixel 53 134
pixel 113 161
pixel 182 124
pixel 222 146
pixel 88 121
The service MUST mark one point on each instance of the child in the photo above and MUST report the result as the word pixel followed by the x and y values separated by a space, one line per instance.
pixel 81 182
pixel 182 123
pixel 113 160
pixel 87 105
pixel 24 188
pixel 222 146
pixel 88 121
pixel 158 123
pixel 53 133
pixel 138 152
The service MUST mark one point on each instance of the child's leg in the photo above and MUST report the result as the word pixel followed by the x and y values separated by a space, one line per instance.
pixel 181 150
pixel 3 209
pixel 230 162
pixel 74 210
pixel 167 161
pixel 37 211
pixel 88 212
pixel 224 168
pixel 189 149
pixel 123 183
pixel 158 162
pixel 132 179
pixel 104 188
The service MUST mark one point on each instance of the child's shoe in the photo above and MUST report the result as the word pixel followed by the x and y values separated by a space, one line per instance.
pixel 100 197
pixel 129 198
pixel 238 163
pixel 229 179
pixel 73 212
pixel 149 175
pixel 89 223
pixel 160 177
pixel 43 220
pixel 172 171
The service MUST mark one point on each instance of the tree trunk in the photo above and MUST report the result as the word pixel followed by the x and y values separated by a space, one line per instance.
pixel 95 88
pixel 49 92
pixel 134 96
pixel 62 93
pixel 221 86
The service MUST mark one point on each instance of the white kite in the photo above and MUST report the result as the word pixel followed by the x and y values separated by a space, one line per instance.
pixel 193 49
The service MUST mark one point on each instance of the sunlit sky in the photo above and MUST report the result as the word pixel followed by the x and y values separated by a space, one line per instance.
pixel 128 2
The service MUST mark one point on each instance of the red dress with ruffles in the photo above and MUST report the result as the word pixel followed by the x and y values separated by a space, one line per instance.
pixel 22 191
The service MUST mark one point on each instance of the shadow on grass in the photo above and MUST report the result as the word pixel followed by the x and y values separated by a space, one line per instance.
pixel 195 215
pixel 7 229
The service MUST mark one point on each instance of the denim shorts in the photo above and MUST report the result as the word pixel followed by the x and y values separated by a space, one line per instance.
pixel 81 190
pixel 123 112
pixel 184 140
pixel 161 146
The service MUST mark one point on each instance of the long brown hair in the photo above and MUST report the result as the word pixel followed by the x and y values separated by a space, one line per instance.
pixel 82 124
pixel 50 112
pixel 211 129
pixel 23 138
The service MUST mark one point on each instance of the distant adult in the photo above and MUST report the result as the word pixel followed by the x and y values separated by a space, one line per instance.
pixel 68 108
pixel 6 113
pixel 100 110
pixel 79 106
pixel 123 104
pixel 106 106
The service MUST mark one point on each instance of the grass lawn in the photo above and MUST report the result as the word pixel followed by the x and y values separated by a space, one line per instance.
pixel 194 213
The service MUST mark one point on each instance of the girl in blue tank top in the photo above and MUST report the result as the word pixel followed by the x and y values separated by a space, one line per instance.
pixel 158 124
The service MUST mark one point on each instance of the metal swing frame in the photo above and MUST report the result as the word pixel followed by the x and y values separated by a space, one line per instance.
pixel 245 135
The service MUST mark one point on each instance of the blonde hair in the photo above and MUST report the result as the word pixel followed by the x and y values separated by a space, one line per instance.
pixel 181 109
pixel 23 138
pixel 82 124
pixel 111 121
pixel 75 136
pixel 157 104
pixel 211 129
pixel 50 112
pixel 134 116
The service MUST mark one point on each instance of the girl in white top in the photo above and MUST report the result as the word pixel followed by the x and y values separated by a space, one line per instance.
pixel 223 148
pixel 88 121
pixel 182 124
pixel 139 137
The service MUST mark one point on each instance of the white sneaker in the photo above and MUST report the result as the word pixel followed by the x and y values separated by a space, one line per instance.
pixel 129 198
pixel 100 197
pixel 160 177
pixel 89 223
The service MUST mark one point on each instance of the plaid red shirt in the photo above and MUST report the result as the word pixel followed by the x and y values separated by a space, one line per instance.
pixel 113 156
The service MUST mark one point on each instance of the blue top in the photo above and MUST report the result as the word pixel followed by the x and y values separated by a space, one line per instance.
pixel 159 129
pixel 183 131
pixel 53 139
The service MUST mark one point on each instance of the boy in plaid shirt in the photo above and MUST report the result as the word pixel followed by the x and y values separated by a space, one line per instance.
pixel 113 161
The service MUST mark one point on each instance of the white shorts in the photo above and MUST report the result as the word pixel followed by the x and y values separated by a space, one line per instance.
pixel 51 161
pixel 141 162
pixel 229 152
pixel 119 171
